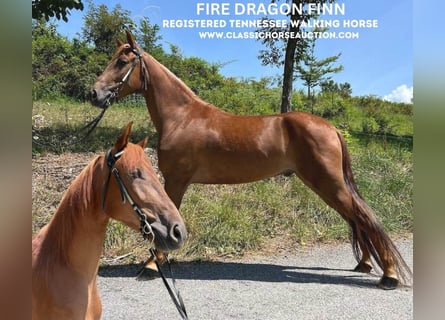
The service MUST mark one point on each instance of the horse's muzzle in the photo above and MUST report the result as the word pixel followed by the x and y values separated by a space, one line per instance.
pixel 169 238
pixel 101 99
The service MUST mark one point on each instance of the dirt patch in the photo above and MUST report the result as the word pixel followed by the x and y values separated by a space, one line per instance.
pixel 51 176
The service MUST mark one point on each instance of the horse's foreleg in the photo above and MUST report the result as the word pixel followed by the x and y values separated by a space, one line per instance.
pixel 150 263
pixel 175 190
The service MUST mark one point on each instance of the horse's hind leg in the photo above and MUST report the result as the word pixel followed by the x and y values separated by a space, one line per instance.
pixel 321 166
pixel 336 195
pixel 365 264
pixel 362 254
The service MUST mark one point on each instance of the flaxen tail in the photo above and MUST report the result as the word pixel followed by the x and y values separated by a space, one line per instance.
pixel 367 229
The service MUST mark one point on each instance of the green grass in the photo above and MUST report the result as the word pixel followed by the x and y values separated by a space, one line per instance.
pixel 57 126
pixel 231 219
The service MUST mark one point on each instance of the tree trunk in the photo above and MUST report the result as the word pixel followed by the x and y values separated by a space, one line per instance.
pixel 310 98
pixel 289 63
pixel 288 75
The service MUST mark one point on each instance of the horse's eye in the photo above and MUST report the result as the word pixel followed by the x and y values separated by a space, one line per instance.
pixel 137 174
pixel 121 62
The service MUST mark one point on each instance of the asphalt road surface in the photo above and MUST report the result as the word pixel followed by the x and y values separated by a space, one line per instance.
pixel 315 283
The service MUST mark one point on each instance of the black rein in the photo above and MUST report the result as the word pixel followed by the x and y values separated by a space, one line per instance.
pixel 145 228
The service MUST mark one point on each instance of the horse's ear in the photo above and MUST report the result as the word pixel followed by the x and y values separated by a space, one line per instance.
pixel 143 142
pixel 119 42
pixel 130 39
pixel 122 141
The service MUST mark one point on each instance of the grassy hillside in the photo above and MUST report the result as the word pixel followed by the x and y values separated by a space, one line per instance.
pixel 226 219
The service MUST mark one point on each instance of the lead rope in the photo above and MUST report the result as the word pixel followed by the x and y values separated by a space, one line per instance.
pixel 90 126
pixel 175 296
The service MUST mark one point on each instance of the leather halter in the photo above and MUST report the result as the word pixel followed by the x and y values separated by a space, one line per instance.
pixel 110 160
pixel 145 228
pixel 143 71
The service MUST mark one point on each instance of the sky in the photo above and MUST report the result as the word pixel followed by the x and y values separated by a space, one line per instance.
pixel 378 62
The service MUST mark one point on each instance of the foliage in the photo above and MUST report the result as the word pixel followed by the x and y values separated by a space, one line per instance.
pixel 102 27
pixel 287 52
pixel 312 71
pixel 333 88
pixel 67 68
pixel 198 74
pixel 148 38
pixel 63 68
pixel 54 8
pixel 366 115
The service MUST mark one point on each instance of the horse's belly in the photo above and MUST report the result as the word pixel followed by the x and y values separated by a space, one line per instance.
pixel 239 170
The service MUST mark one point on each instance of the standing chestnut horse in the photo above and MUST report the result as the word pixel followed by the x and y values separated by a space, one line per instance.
pixel 66 252
pixel 199 143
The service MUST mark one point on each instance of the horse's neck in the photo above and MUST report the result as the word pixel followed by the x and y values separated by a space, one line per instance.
pixel 166 94
pixel 75 235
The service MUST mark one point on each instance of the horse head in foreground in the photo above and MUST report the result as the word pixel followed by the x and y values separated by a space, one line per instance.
pixel 65 253
pixel 199 143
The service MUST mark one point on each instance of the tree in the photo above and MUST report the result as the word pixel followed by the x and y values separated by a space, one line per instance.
pixel 314 72
pixel 285 52
pixel 103 27
pixel 49 53
pixel 330 86
pixel 62 67
pixel 148 38
pixel 345 89
pixel 54 8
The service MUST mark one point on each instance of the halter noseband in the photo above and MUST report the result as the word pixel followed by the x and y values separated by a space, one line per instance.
pixel 110 160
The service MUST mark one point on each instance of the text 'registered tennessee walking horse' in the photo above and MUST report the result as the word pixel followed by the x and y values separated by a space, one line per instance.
pixel 65 253
pixel 199 143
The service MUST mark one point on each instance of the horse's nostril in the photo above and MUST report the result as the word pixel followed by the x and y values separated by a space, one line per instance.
pixel 177 234
pixel 93 94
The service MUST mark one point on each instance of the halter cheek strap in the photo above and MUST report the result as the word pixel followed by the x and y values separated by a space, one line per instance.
pixel 143 74
pixel 145 228
pixel 111 159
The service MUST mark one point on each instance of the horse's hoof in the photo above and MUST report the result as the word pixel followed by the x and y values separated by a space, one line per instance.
pixel 388 283
pixel 147 274
pixel 363 267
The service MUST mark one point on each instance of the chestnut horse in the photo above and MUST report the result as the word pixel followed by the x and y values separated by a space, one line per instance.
pixel 199 143
pixel 66 251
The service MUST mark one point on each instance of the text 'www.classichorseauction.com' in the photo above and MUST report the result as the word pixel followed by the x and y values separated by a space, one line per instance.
pixel 261 21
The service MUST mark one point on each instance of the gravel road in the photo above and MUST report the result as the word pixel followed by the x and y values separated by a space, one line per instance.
pixel 314 283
